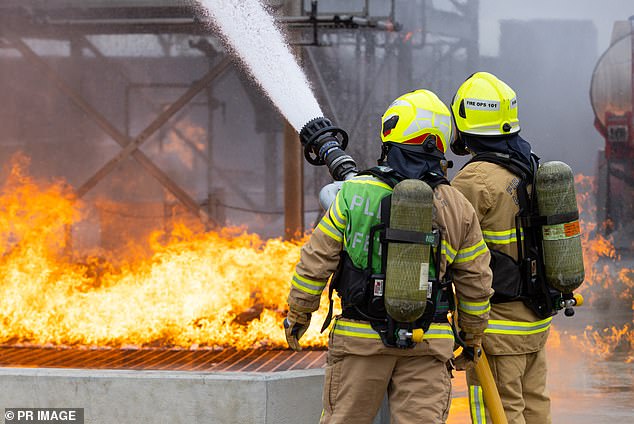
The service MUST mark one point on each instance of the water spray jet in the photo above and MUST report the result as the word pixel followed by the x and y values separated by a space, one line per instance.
pixel 261 47
pixel 253 36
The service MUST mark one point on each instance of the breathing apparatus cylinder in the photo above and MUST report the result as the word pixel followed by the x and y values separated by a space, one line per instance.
pixel 561 237
pixel 324 144
pixel 407 270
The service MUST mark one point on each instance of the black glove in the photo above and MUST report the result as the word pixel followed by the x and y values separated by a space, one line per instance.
pixel 295 325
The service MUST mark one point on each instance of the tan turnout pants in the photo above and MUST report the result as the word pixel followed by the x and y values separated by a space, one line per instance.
pixel 521 382
pixel 418 389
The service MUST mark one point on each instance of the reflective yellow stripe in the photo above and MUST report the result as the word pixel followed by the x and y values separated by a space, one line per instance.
pixel 355 329
pixel 439 331
pixel 474 308
pixel 307 285
pixel 478 414
pixel 327 227
pixel 365 330
pixel 491 129
pixel 336 215
pixel 448 251
pixel 370 181
pixel 501 237
pixel 520 328
pixel 470 253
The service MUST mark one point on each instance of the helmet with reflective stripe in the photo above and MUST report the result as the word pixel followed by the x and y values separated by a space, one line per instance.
pixel 485 105
pixel 417 121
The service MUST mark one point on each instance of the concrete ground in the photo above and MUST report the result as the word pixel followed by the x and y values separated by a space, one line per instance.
pixel 584 388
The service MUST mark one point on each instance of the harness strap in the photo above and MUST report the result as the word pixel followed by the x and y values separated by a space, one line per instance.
pixel 385 174
pixel 560 218
pixel 407 236
pixel 332 287
pixel 534 290
pixel 391 177
pixel 328 319
pixel 517 167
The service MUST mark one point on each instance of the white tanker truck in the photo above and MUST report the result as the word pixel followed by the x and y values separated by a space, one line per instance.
pixel 612 98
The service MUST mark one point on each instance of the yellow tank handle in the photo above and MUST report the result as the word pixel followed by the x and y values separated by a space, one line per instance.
pixel 578 299
pixel 417 335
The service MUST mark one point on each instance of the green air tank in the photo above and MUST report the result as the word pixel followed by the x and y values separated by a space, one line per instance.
pixel 563 257
pixel 407 269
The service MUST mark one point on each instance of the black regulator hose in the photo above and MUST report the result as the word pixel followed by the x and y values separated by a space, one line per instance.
pixel 324 144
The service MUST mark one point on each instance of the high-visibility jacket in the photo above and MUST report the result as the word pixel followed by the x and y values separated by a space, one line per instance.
pixel 492 190
pixel 346 225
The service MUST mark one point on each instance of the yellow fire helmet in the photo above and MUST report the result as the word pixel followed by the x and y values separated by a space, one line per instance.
pixel 416 118
pixel 485 105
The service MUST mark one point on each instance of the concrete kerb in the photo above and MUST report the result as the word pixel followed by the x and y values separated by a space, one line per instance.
pixel 127 396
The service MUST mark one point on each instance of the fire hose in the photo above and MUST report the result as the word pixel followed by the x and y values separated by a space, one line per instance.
pixel 490 391
pixel 324 144
pixel 485 376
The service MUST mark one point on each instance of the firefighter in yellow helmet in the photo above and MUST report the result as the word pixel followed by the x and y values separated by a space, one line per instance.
pixel 497 181
pixel 370 352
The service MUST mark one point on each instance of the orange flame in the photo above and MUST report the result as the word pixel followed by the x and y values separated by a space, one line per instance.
pixel 194 290
pixel 600 257
pixel 610 343
pixel 216 289
pixel 607 282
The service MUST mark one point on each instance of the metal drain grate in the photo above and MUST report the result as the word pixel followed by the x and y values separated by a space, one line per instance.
pixel 229 360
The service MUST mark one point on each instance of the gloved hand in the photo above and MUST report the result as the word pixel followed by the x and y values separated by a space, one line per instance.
pixel 470 354
pixel 295 325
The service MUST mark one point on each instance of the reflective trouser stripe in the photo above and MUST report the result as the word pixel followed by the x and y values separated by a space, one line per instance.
pixel 365 330
pixel 476 402
pixel 518 327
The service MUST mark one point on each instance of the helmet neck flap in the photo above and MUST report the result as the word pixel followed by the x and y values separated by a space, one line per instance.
pixel 411 164
pixel 513 145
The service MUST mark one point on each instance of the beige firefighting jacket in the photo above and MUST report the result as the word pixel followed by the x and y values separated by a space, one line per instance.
pixel 492 190
pixel 463 251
